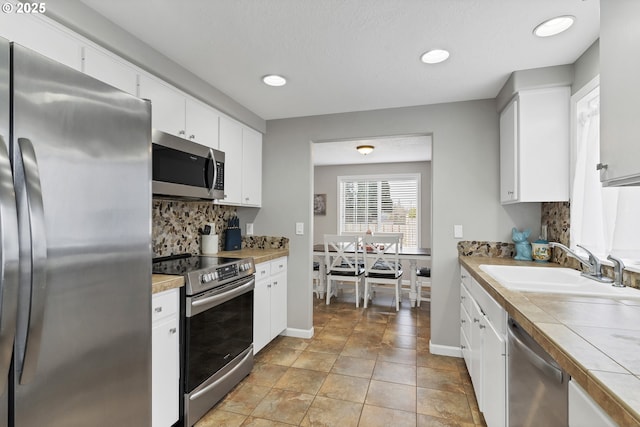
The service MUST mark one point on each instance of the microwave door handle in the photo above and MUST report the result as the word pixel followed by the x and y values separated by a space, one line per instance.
pixel 215 170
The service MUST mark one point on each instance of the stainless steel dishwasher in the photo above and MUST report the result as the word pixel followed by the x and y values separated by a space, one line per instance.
pixel 537 386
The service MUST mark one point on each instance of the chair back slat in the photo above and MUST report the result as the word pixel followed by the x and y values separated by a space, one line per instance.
pixel 382 253
pixel 342 253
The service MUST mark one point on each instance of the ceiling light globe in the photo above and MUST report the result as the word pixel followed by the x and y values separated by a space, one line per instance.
pixel 554 26
pixel 274 80
pixel 435 56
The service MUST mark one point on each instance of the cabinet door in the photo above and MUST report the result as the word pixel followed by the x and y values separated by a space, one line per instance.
pixel 261 314
pixel 619 92
pixel 475 343
pixel 167 106
pixel 109 70
pixel 278 303
pixel 509 153
pixel 202 123
pixel 251 167
pixel 45 37
pixel 494 361
pixel 231 145
pixel 165 372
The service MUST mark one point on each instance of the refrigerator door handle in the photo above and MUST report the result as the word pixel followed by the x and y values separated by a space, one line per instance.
pixel 28 361
pixel 9 264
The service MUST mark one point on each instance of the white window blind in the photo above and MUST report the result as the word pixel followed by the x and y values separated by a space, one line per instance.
pixel 382 203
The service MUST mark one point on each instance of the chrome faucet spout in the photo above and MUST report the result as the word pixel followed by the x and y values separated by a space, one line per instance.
pixel 618 270
pixel 592 262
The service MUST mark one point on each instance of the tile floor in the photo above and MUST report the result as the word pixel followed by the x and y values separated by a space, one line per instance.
pixel 362 368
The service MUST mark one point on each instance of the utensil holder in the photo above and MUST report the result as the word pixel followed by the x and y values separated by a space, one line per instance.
pixel 209 244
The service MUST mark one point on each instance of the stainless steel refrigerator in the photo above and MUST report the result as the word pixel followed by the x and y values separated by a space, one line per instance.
pixel 75 239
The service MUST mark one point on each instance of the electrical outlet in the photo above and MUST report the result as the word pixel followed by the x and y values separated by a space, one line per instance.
pixel 457 232
pixel 249 229
pixel 299 228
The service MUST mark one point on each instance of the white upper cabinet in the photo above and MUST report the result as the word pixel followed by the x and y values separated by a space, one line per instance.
pixel 243 164
pixel 619 93
pixel 167 105
pixel 251 167
pixel 110 70
pixel 36 33
pixel 534 146
pixel 201 123
pixel 231 145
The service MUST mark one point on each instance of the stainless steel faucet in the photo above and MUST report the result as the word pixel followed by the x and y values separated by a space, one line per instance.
pixel 592 262
pixel 618 267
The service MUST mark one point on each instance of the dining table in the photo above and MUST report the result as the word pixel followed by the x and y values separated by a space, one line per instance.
pixel 413 255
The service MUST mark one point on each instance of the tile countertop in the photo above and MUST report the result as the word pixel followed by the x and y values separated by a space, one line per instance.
pixel 164 282
pixel 258 255
pixel 595 339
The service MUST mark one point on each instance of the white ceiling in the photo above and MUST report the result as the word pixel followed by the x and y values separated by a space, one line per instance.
pixel 354 55
pixel 387 150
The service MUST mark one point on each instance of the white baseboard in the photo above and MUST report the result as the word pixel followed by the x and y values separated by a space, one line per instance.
pixel 445 350
pixel 298 333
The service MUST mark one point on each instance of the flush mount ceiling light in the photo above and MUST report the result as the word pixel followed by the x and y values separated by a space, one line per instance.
pixel 554 26
pixel 434 56
pixel 365 149
pixel 274 80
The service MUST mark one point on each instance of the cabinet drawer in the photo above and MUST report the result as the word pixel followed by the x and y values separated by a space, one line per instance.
pixel 465 277
pixel 263 270
pixel 164 304
pixel 466 349
pixel 465 298
pixel 279 265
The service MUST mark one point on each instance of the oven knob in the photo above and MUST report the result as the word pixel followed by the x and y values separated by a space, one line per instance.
pixel 206 278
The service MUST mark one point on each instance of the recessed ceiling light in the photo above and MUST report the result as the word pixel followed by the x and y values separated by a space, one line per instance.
pixel 554 26
pixel 274 80
pixel 434 56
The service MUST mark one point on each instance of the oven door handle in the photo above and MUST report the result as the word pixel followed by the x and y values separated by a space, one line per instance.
pixel 200 305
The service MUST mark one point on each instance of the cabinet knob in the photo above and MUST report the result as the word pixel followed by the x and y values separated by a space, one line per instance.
pixel 462 297
pixel 181 132
pixel 192 137
pixel 601 166
pixel 476 320
pixel 462 321
pixel 172 331
pixel 481 326
pixel 463 346
pixel 275 283
pixel 158 309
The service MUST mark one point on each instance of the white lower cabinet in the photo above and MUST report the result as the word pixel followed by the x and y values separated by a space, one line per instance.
pixel 584 411
pixel 269 302
pixel 483 342
pixel 165 358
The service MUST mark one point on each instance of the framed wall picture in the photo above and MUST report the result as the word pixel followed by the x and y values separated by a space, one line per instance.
pixel 319 204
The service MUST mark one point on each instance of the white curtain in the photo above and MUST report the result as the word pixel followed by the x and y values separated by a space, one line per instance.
pixel 603 219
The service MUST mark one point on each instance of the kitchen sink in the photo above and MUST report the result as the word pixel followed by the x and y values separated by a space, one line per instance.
pixel 553 280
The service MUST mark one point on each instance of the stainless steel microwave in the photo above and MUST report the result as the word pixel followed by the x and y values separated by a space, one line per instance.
pixel 185 169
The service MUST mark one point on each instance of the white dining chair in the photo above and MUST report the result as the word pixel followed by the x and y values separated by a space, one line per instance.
pixel 343 262
pixel 423 285
pixel 382 266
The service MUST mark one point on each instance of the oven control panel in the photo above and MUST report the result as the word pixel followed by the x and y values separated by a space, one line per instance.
pixel 224 273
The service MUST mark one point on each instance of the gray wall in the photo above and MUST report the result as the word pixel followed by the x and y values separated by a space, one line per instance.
pixel 325 181
pixel 586 67
pixel 465 177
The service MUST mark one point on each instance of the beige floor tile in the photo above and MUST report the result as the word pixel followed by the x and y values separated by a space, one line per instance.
pixel 440 379
pixel 278 356
pixel 353 366
pixel 398 355
pixel 331 412
pixel 301 380
pixel 395 373
pixel 261 422
pixel 435 361
pixel 293 343
pixel 322 362
pixel 244 399
pixel 374 416
pixel 343 387
pixel 390 395
pixel 401 329
pixel 429 421
pixel 444 404
pixel 340 334
pixel 327 345
pixel 265 374
pixel 283 406
pixel 391 339
pixel 361 350
pixel 218 418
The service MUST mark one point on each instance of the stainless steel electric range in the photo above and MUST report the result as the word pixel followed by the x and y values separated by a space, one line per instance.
pixel 217 324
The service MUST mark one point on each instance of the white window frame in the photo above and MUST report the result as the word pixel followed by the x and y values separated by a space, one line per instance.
pixel 381 177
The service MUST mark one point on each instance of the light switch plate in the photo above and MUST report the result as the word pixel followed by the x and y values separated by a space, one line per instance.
pixel 457 232
pixel 299 228
pixel 249 229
